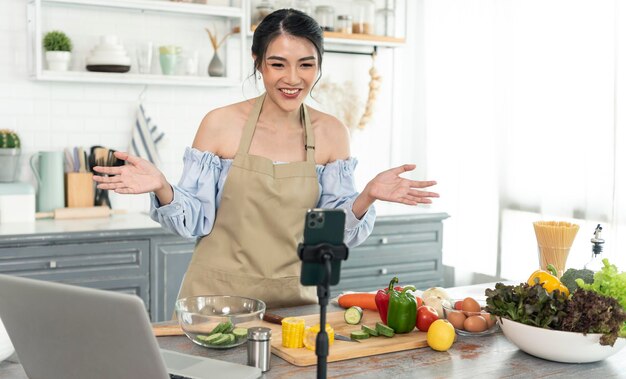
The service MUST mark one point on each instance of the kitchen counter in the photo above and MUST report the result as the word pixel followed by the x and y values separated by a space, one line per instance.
pixel 118 222
pixel 487 356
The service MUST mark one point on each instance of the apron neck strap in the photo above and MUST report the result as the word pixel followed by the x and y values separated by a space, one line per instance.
pixel 248 131
pixel 309 140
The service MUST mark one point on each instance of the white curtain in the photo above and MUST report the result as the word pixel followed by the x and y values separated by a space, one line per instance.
pixel 523 124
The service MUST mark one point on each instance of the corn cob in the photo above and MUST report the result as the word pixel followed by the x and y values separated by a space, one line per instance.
pixel 293 332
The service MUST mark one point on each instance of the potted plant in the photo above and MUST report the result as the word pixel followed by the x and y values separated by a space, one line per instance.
pixel 9 155
pixel 58 48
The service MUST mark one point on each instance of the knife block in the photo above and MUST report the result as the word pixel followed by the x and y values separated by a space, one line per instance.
pixel 79 189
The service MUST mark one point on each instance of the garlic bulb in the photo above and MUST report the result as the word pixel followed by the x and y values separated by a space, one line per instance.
pixel 374 88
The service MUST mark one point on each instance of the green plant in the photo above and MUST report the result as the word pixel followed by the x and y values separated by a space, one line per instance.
pixel 57 41
pixel 9 139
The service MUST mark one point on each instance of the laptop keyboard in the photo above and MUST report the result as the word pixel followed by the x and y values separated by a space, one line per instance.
pixel 174 376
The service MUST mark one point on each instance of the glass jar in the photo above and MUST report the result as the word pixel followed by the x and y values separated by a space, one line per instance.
pixel 262 10
pixel 325 16
pixel 363 16
pixel 305 6
pixel 385 22
pixel 344 24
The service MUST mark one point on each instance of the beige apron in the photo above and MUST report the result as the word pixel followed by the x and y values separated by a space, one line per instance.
pixel 251 250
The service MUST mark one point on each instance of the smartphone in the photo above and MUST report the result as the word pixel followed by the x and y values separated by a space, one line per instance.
pixel 322 226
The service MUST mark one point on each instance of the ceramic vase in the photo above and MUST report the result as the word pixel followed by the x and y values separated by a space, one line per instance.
pixel 216 67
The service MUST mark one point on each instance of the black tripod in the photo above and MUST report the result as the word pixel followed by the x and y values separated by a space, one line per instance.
pixel 325 254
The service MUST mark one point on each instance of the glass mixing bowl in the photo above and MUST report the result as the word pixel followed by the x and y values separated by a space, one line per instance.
pixel 217 321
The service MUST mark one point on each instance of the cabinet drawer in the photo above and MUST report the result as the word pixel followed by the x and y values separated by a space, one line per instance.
pixel 391 254
pixel 404 233
pixel 367 284
pixel 132 286
pixel 80 260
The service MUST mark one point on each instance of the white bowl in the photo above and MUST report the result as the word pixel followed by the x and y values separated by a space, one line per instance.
pixel 558 346
pixel 6 347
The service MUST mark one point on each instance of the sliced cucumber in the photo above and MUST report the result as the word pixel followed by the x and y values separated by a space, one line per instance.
pixel 359 335
pixel 229 327
pixel 371 331
pixel 384 330
pixel 222 327
pixel 240 333
pixel 353 315
pixel 231 339
pixel 208 339
pixel 222 340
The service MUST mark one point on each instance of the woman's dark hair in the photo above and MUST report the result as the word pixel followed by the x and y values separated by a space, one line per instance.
pixel 290 22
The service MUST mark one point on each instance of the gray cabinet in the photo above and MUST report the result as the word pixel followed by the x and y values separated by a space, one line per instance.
pixel 119 265
pixel 171 258
pixel 409 247
pixel 151 262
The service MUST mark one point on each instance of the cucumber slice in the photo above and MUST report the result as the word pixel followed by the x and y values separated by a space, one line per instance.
pixel 208 339
pixel 353 315
pixel 229 327
pixel 384 330
pixel 359 335
pixel 222 340
pixel 240 333
pixel 371 331
pixel 222 327
pixel 229 340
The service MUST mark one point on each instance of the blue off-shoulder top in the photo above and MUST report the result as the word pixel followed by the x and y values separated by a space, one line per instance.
pixel 198 195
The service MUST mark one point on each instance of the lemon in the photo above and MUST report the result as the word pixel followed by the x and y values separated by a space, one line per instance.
pixel 440 335
pixel 310 335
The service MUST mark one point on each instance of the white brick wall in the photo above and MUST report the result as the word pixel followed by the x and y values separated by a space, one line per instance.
pixel 56 115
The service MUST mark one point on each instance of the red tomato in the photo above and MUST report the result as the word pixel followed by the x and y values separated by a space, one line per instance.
pixel 458 305
pixel 419 301
pixel 426 315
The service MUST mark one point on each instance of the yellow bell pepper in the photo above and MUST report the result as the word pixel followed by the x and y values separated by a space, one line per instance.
pixel 548 280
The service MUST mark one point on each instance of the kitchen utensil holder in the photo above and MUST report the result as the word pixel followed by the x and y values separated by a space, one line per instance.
pixel 79 189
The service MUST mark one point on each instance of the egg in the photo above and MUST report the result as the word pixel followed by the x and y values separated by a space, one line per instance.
pixel 475 324
pixel 456 319
pixel 491 319
pixel 470 305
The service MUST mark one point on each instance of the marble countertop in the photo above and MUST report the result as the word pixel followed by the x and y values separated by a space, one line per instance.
pixel 130 221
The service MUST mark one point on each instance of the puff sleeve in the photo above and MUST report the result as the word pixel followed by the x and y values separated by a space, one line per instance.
pixel 196 197
pixel 338 191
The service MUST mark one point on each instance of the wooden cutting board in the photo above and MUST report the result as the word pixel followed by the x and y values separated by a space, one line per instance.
pixel 342 350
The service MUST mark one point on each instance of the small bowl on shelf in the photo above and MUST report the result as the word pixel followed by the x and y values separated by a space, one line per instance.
pixel 476 322
pixel 218 322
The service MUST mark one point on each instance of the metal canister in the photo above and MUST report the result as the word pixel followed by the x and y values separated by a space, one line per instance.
pixel 259 347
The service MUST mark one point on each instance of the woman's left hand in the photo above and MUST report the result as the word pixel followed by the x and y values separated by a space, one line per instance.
pixel 389 186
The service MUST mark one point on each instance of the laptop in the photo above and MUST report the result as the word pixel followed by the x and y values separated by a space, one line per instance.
pixel 65 331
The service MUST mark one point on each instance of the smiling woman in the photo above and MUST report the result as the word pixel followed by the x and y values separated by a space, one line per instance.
pixel 255 168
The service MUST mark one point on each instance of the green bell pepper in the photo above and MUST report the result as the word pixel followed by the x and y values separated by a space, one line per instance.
pixel 402 311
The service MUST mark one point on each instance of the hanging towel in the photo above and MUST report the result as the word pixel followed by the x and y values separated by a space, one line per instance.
pixel 146 136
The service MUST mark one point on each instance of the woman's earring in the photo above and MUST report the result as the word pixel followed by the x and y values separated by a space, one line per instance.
pixel 259 76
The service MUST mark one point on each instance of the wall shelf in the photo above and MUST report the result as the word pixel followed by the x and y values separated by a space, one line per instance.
pixel 353 39
pixel 362 39
pixel 127 78
pixel 231 15
pixel 161 6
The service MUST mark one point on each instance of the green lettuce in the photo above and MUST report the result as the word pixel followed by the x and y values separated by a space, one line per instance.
pixel 530 305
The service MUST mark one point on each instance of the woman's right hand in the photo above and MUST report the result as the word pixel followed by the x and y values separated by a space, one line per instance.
pixel 136 176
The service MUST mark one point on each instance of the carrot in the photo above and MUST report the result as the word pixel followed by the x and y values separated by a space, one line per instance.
pixel 360 299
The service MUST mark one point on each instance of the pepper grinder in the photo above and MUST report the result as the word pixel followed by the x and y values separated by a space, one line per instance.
pixel 259 347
